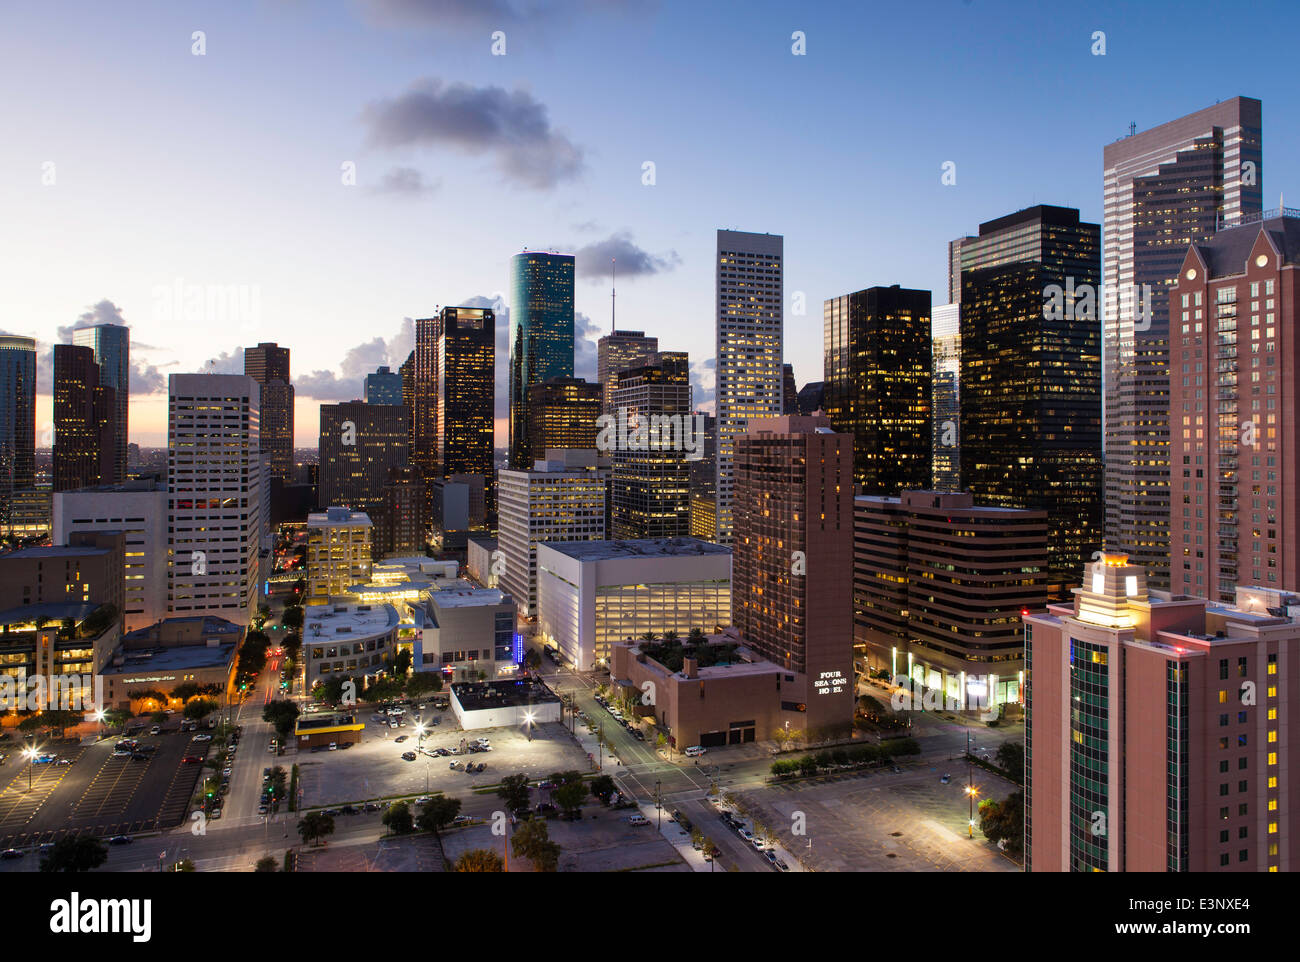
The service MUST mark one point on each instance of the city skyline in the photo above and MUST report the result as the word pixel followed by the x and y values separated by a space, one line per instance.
pixel 579 188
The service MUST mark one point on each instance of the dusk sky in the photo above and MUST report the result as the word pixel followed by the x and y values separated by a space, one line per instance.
pixel 133 166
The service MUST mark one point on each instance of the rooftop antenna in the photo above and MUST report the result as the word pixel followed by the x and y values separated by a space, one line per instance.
pixel 1132 128
pixel 613 275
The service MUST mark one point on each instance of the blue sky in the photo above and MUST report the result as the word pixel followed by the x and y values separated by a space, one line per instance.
pixel 224 170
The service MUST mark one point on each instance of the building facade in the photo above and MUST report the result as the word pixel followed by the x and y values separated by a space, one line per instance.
pixel 650 484
pixel 359 445
pixel 1156 729
pixel 1030 389
pixel 268 365
pixel 945 431
pixel 939 588
pixel 338 552
pixel 112 346
pixel 1165 188
pixel 215 498
pixel 878 379
pixel 18 426
pixel 383 386
pixel 1234 448
pixel 749 284
pixel 617 352
pixel 593 594
pixel 541 336
pixel 85 421
pixel 562 413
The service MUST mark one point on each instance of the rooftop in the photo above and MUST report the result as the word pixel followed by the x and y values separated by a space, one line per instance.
pixel 335 517
pixel 464 594
pixel 55 551
pixel 474 696
pixel 636 548
pixel 353 621
pixel 54 611
pixel 177 658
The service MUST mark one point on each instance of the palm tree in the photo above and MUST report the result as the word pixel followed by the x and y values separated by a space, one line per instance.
pixel 480 860
pixel 670 636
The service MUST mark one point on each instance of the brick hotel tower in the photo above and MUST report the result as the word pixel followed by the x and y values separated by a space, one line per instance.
pixel 792 562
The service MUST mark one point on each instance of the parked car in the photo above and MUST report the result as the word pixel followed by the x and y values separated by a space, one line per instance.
pixel 408 756
pixel 770 856
pixel 638 820
pixel 207 738
pixel 156 730
pixel 120 840
pixel 945 779
pixel 11 853
pixel 780 864
pixel 193 760
pixel 695 751
pixel 334 746
pixel 370 807
pixel 401 738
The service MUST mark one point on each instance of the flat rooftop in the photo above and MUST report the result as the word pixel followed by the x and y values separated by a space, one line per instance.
pixel 475 696
pixel 464 594
pixel 347 621
pixel 55 611
pixel 636 548
pixel 178 658
pixel 55 551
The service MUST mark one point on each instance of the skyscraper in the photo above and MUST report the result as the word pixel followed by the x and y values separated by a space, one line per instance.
pixel 383 386
pixel 878 374
pixel 1233 440
pixel 1165 188
pixel 541 335
pixel 1157 729
pixel 1031 378
pixel 215 475
pixel 112 346
pixel 424 400
pixel 18 424
pixel 789 390
pixel 749 284
pixel 359 444
pixel 650 483
pixel 268 365
pixel 616 352
pixel 85 413
pixel 945 442
pixel 792 562
pixel 562 413
pixel 465 383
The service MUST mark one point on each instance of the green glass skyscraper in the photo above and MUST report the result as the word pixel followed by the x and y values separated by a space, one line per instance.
pixel 541 335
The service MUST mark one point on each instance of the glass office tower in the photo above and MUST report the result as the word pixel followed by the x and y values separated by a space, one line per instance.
pixel 541 335
pixel 112 346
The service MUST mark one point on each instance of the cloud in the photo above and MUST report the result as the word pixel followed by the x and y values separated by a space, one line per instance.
pixel 406 182
pixel 350 381
pixel 703 381
pixel 501 396
pixel 593 260
pixel 512 129
pixel 585 335
pixel 496 14
pixel 105 312
pixel 143 379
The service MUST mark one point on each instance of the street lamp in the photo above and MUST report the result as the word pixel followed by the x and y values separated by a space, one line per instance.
pixel 528 720
pixel 972 791
pixel 659 804
pixel 29 753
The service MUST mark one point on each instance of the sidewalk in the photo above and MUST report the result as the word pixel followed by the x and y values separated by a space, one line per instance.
pixel 677 837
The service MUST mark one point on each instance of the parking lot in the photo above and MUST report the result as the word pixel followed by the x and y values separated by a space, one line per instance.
pixel 98 793
pixel 374 768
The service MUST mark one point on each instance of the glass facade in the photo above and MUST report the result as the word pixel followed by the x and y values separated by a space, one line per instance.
pixel 18 426
pixel 112 346
pixel 1089 756
pixel 627 612
pixel 541 336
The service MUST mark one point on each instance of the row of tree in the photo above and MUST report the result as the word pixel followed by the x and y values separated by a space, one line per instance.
pixel 856 755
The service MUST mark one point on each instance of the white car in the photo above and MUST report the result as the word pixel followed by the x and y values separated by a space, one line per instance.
pixel 638 820
pixel 204 738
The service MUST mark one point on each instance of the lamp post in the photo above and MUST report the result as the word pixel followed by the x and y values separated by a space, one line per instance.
pixel 30 754
pixel 659 804
pixel 528 720
pixel 972 791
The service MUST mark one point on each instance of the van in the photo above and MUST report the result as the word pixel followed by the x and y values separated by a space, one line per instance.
pixel 695 751
pixel 638 820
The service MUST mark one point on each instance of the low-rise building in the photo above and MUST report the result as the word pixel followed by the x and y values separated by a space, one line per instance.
pixel 504 704
pixel 350 639
pixel 314 729
pixel 464 631
pixel 67 640
pixel 591 594
pixel 156 659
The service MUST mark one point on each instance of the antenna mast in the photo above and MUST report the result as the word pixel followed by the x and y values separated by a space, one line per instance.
pixel 613 275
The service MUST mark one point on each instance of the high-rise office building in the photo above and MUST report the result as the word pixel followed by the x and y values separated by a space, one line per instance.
pixel 650 483
pixel 1234 444
pixel 562 413
pixel 561 499
pixel 616 352
pixel 85 420
pixel 215 476
pixel 749 284
pixel 1165 188
pixel 359 444
pixel 703 474
pixel 383 386
pixel 424 399
pixel 878 374
pixel 465 371
pixel 939 586
pixel 812 398
pixel 401 522
pixel 792 563
pixel 954 267
pixel 945 397
pixel 1157 729
pixel 18 425
pixel 541 336
pixel 268 365
pixel 112 346
pixel 407 371
pixel 1030 388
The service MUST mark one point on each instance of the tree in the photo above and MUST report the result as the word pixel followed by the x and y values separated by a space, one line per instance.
pixel 116 717
pixel 569 791
pixel 292 617
pixel 314 826
pixel 514 792
pixel 184 865
pixel 533 841
pixel 282 715
pixel 437 813
pixel 479 860
pixel 398 819
pixel 200 708
pixel 266 863
pixel 1011 756
pixel 602 787
pixel 422 682
pixel 75 853
pixel 1005 822
pixel 386 690
pixel 279 784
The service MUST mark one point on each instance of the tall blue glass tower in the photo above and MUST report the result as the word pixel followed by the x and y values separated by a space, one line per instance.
pixel 112 346
pixel 541 335
pixel 17 416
